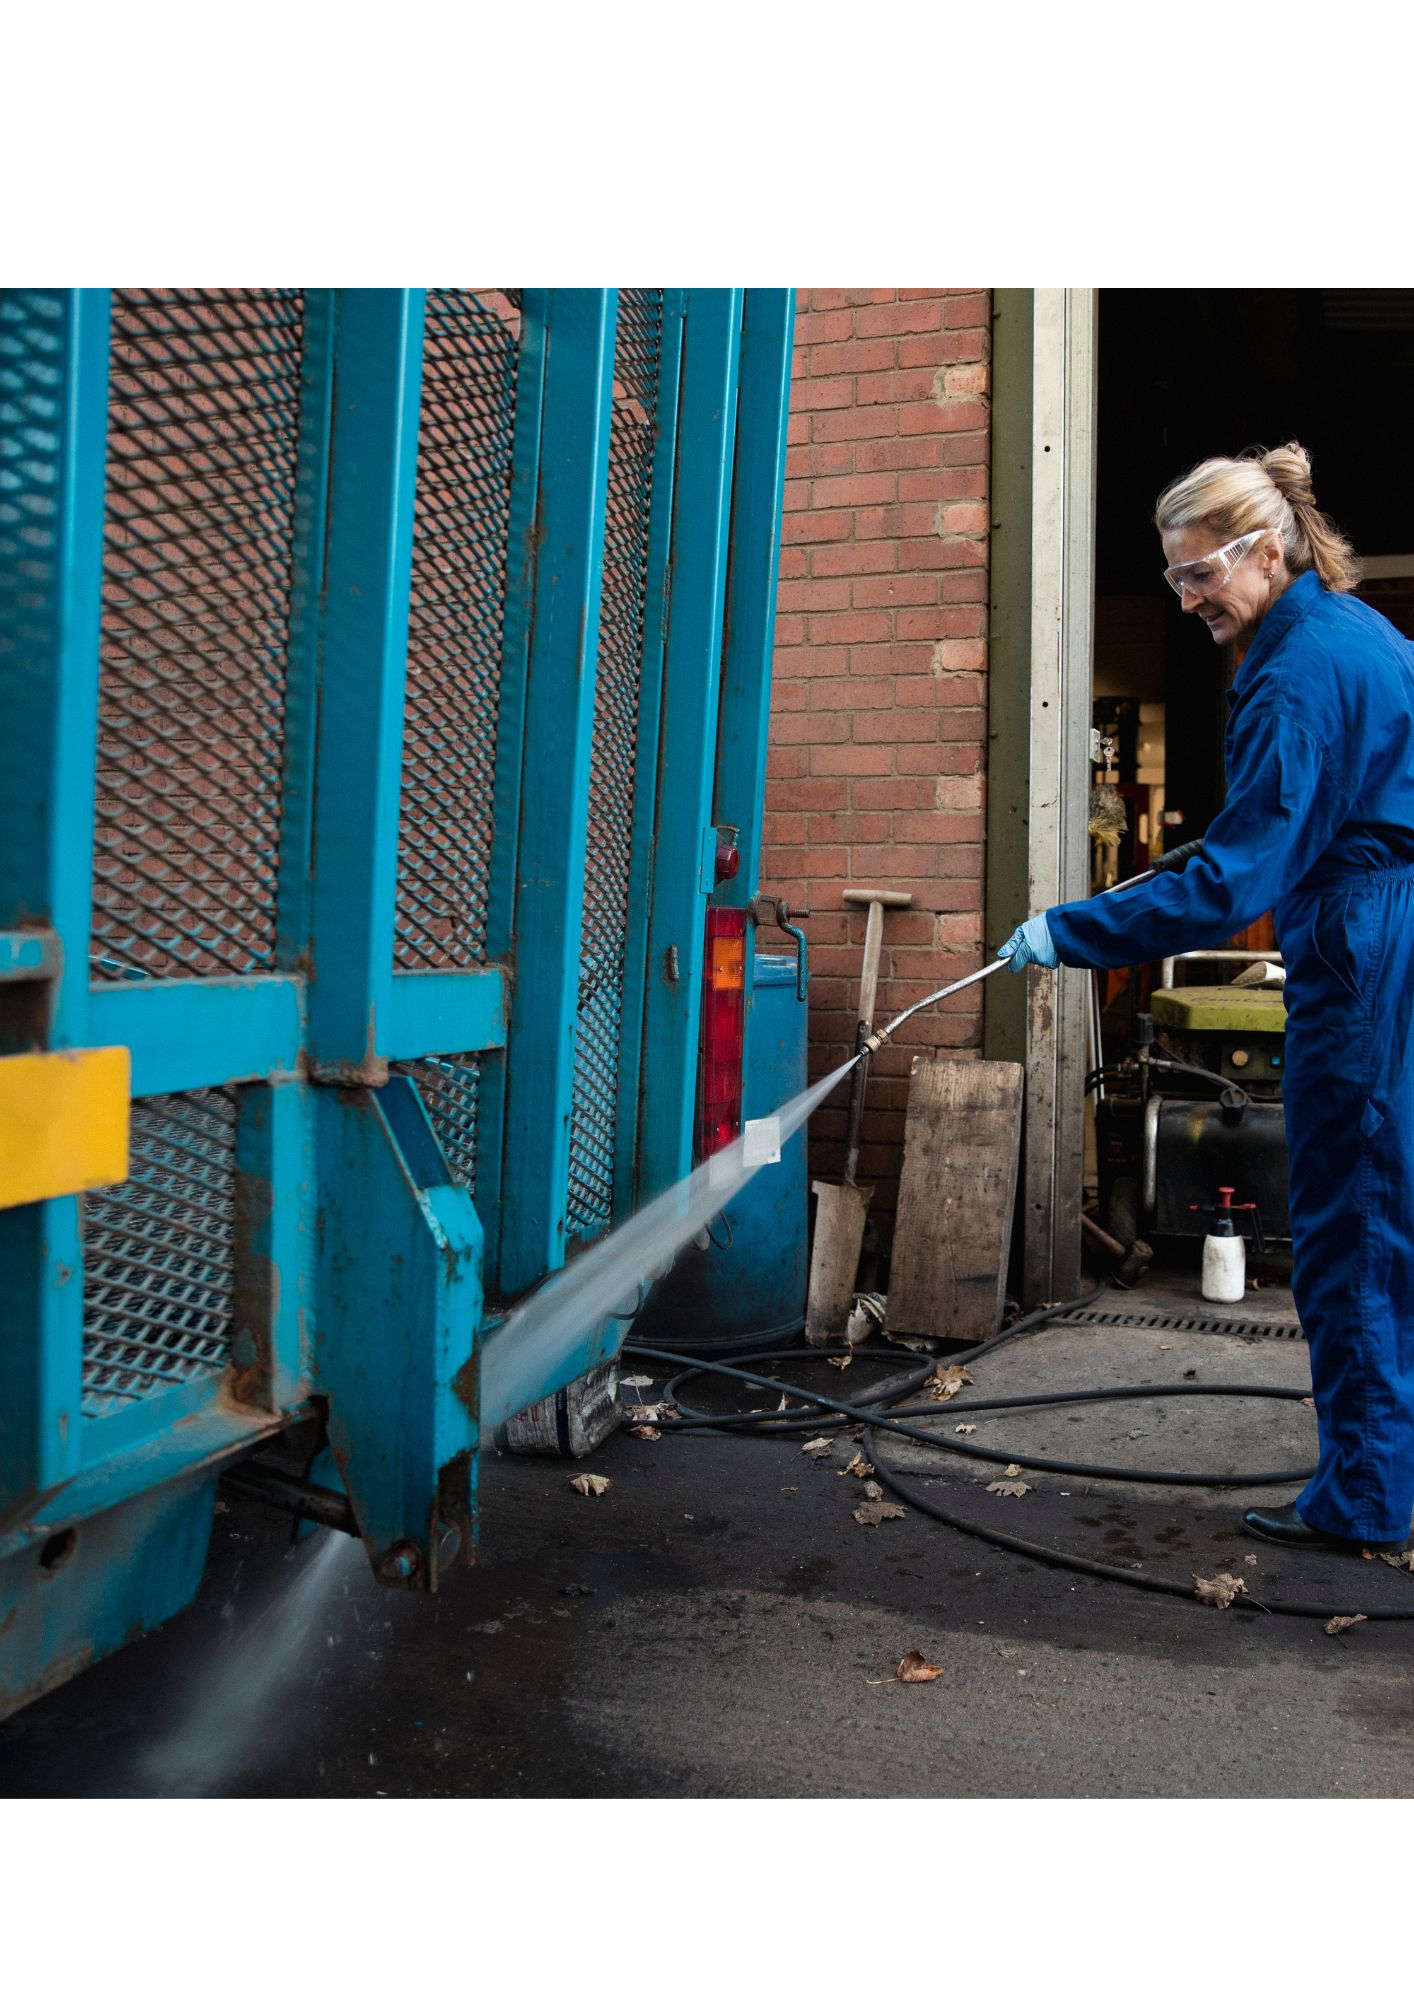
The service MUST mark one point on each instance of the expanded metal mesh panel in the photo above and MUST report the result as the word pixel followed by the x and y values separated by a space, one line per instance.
pixel 203 427
pixel 32 349
pixel 448 1086
pixel 632 437
pixel 159 1254
pixel 459 554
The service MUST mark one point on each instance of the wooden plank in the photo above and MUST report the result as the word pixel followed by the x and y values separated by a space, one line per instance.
pixel 962 1143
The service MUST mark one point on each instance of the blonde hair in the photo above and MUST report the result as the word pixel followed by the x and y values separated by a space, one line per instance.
pixel 1263 489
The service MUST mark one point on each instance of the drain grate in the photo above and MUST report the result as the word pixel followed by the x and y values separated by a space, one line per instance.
pixel 1269 1329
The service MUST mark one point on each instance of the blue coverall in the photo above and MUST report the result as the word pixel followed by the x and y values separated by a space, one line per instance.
pixel 1319 826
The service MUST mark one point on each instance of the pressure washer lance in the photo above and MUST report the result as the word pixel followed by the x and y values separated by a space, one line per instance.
pixel 1179 858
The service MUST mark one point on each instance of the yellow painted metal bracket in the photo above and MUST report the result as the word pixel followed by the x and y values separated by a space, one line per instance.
pixel 63 1123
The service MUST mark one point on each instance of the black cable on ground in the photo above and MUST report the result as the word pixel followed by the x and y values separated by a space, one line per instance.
pixel 863 1410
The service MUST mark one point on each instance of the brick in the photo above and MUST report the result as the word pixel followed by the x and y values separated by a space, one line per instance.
pixel 963 414
pixel 965 586
pixel 803 661
pixel 879 421
pixel 790 631
pixel 968 309
pixel 798 427
pixel 848 628
pixel 815 527
pixel 902 662
pixel 783 829
pixel 851 357
pixel 814 593
pixel 973 380
pixel 893 794
pixel 875 523
pixel 904 316
pixel 809 728
pixel 895 454
pixel 820 794
pixel 793 562
pixel 940 827
pixel 813 327
pixel 853 559
pixel 825 392
pixel 851 759
pixel 788 695
pixel 897 725
pixel 968 654
pixel 931 552
pixel 966 448
pixel 813 460
pixel 943 350
pixel 851 827
pixel 939 621
pixel 962 794
pixel 898 590
pixel 850 694
pixel 825 301
pixel 786 762
pixel 795 495
pixel 859 489
pixel 894 385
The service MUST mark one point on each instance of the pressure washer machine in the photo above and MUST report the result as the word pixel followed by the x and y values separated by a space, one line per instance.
pixel 1197 1105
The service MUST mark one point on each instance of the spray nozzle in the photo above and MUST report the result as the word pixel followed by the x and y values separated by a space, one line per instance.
pixel 1227 1212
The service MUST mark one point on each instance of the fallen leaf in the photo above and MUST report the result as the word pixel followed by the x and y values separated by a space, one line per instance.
pixel 1009 1489
pixel 944 1383
pixel 1218 1590
pixel 647 1413
pixel 636 1381
pixel 1308 1402
pixel 914 1669
pixel 1334 1625
pixel 1406 1561
pixel 873 1490
pixel 1249 1559
pixel 1137 1434
pixel 841 1360
pixel 817 1447
pixel 859 1466
pixel 1013 1472
pixel 963 1430
pixel 591 1484
pixel 784 1404
pixel 875 1511
pixel 646 1432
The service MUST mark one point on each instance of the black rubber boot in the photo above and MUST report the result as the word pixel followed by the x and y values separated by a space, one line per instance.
pixel 1285 1527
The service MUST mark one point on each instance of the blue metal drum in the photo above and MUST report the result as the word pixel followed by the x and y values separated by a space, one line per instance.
pixel 746 1290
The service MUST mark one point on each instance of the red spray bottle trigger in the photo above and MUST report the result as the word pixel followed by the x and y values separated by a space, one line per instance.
pixel 1227 1210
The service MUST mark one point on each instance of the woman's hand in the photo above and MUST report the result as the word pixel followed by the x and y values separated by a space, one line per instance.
pixel 1029 944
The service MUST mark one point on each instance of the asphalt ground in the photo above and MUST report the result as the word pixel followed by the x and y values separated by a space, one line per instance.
pixel 717 1625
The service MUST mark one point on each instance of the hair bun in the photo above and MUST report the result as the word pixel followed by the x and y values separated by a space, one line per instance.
pixel 1289 469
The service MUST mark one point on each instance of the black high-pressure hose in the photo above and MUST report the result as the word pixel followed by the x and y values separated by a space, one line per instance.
pixel 864 1409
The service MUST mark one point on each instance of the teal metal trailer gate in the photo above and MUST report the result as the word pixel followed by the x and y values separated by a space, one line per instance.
pixel 380 669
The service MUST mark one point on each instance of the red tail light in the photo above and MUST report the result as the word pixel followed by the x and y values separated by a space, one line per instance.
pixel 723 1023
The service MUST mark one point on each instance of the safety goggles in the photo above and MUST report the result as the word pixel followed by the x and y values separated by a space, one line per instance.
pixel 1211 572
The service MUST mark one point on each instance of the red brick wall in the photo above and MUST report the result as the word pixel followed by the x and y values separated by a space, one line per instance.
pixel 878 708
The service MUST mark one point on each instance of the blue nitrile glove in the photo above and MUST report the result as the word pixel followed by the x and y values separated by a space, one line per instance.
pixel 1030 944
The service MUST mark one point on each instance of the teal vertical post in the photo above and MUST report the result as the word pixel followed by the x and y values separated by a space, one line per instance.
pixel 362 676
pixel 53 432
pixel 682 839
pixel 758 486
pixel 578 333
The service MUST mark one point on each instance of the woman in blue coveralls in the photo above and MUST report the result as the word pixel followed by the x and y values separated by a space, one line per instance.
pixel 1319 826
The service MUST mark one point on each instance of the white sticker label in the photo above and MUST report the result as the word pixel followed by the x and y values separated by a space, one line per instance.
pixel 761 1142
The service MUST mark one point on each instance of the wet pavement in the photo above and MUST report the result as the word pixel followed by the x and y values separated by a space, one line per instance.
pixel 718 1625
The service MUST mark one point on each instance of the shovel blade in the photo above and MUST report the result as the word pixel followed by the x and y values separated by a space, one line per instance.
pixel 834 1260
